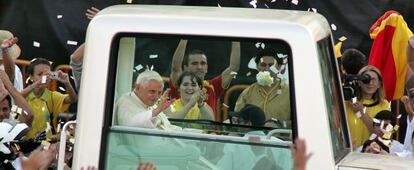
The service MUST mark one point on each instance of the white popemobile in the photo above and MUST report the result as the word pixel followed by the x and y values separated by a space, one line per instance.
pixel 114 53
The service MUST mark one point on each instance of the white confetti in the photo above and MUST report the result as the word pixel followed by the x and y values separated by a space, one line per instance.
pixel 19 110
pixel 36 44
pixel 314 10
pixel 152 67
pixel 139 67
pixel 260 45
pixel 70 42
pixel 253 3
pixel 129 1
pixel 59 16
pixel 234 74
pixel 399 116
pixel 218 5
pixel 273 1
pixel 24 111
pixel 266 6
pixel 72 140
pixel 248 74
pixel 152 56
pixel 14 108
pixel 62 89
pixel 333 26
pixel 343 38
pixel 226 106
pixel 354 100
pixel 295 2
pixel 280 55
pixel 43 109
pixel 44 78
pixel 73 78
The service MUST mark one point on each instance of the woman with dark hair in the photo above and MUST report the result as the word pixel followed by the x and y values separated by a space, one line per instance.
pixel 191 103
pixel 46 104
pixel 370 99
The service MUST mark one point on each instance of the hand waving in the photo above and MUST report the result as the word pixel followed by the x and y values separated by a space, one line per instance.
pixel 7 43
pixel 91 12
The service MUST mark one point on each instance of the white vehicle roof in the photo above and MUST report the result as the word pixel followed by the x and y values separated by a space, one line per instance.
pixel 301 30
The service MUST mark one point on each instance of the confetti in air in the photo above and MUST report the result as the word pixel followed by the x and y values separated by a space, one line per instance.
pixel 260 45
pixel 139 67
pixel 218 5
pixel 248 74
pixel 36 44
pixel 69 42
pixel 73 78
pixel 295 2
pixel 59 16
pixel 343 38
pixel 129 1
pixel 333 26
pixel 253 3
pixel 152 56
pixel 62 89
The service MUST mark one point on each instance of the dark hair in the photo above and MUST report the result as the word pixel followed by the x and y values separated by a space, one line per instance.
pixel 353 60
pixel 35 62
pixel 267 52
pixel 192 77
pixel 385 115
pixel 368 142
pixel 192 52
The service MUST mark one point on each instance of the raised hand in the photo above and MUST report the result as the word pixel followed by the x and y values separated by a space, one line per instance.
pixel 91 12
pixel 299 155
pixel 62 77
pixel 164 103
pixel 147 166
pixel 7 43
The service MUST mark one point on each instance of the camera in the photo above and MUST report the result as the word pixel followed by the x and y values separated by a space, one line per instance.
pixel 54 75
pixel 350 84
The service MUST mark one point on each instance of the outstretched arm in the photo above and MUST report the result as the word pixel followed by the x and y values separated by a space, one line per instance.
pixel 234 65
pixel 8 61
pixel 26 117
pixel 177 61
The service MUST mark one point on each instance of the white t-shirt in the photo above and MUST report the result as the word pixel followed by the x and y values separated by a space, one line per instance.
pixel 18 78
pixel 408 133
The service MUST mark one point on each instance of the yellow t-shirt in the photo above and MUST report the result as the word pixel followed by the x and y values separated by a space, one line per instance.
pixel 194 112
pixel 359 132
pixel 49 102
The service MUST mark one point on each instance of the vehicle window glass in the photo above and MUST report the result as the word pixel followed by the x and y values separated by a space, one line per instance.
pixel 208 57
pixel 336 113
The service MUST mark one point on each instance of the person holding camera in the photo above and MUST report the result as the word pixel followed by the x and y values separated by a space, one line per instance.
pixel 368 101
pixel 46 104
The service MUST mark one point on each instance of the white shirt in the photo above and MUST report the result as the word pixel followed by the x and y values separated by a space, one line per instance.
pixel 131 111
pixel 18 78
pixel 408 133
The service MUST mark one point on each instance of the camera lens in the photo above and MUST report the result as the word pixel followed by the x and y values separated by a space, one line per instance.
pixel 365 78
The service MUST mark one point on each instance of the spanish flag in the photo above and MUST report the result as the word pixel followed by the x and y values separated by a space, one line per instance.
pixel 388 52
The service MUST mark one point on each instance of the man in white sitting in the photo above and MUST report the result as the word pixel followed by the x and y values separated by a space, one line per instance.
pixel 144 105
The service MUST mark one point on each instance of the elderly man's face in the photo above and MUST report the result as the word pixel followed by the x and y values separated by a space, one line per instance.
pixel 150 92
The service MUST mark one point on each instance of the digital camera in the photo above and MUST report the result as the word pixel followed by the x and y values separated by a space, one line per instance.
pixel 350 84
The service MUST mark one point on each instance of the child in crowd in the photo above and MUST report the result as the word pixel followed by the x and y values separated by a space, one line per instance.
pixel 46 104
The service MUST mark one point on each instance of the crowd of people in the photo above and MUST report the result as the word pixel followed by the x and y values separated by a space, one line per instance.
pixel 191 96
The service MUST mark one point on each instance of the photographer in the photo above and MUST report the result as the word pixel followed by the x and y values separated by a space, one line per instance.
pixel 46 104
pixel 352 61
pixel 370 99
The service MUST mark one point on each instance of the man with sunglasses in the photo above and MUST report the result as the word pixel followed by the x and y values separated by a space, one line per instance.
pixel 270 93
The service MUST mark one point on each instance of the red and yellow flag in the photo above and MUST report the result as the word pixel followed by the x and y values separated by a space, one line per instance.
pixel 388 52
